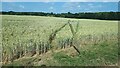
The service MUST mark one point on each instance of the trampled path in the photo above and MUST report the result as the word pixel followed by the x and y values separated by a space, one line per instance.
pixel 42 58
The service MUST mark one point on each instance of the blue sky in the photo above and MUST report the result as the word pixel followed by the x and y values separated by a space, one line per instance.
pixel 60 0
pixel 60 7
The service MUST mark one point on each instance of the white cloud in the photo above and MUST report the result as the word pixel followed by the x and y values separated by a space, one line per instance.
pixel 70 4
pixel 71 7
pixel 100 6
pixel 78 6
pixel 90 4
pixel 86 9
pixel 51 8
pixel 47 1
pixel 94 0
pixel 51 3
pixel 21 6
pixel 60 0
pixel 94 6
pixel 89 11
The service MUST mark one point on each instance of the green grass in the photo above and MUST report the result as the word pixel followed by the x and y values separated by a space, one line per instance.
pixel 98 55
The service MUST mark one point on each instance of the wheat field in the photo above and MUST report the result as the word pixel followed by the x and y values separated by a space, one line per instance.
pixel 28 35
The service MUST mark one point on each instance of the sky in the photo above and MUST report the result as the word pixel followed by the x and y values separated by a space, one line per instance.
pixel 60 0
pixel 60 7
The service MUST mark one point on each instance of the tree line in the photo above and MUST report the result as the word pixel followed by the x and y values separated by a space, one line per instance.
pixel 82 15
